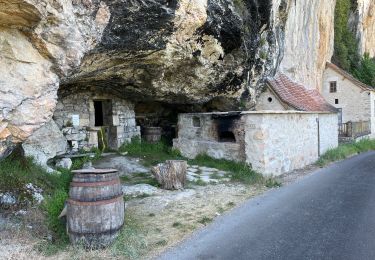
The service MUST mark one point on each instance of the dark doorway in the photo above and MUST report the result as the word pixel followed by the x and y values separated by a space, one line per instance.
pixel 103 112
pixel 98 106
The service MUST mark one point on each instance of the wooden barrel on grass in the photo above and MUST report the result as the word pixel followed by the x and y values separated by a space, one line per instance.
pixel 95 209
pixel 152 134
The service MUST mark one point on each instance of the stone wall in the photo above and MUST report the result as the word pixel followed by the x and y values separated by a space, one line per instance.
pixel 279 142
pixel 273 143
pixel 372 97
pixel 120 128
pixel 328 132
pixel 198 134
pixel 269 101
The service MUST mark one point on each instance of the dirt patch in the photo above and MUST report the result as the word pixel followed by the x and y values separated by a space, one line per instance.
pixel 290 177
pixel 173 217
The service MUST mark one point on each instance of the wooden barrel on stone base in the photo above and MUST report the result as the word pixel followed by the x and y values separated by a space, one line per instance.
pixel 152 134
pixel 95 209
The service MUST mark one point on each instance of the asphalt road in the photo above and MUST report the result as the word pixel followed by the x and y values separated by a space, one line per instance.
pixel 327 215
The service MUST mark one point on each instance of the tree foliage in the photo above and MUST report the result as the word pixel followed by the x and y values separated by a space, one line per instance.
pixel 365 72
pixel 346 52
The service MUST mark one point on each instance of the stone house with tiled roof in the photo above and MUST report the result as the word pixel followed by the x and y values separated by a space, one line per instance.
pixel 282 93
pixel 354 99
pixel 291 129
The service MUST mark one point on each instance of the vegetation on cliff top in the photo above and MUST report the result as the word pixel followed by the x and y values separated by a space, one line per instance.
pixel 346 52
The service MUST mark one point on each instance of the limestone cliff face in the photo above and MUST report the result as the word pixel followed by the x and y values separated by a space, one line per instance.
pixel 184 51
pixel 40 41
pixel 174 51
pixel 364 25
pixel 309 39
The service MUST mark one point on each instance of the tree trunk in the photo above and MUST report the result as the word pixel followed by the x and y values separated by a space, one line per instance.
pixel 171 175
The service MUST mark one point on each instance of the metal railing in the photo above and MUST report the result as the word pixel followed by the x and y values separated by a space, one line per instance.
pixel 355 129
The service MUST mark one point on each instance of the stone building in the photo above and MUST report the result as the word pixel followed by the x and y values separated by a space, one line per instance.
pixel 354 100
pixel 282 93
pixel 90 119
pixel 272 142
pixel 294 127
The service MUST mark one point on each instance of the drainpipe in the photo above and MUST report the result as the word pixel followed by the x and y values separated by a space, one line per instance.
pixel 318 124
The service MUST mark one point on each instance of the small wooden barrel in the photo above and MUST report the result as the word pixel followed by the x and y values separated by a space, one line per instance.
pixel 152 134
pixel 95 209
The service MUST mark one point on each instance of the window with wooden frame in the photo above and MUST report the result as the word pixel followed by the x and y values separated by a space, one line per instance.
pixel 333 87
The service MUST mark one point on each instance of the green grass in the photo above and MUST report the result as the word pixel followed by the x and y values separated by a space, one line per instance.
pixel 150 153
pixel 15 173
pixel 346 150
pixel 131 242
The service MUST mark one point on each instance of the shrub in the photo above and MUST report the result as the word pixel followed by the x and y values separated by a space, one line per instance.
pixel 365 72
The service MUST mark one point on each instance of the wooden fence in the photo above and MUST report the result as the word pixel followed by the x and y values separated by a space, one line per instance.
pixel 355 129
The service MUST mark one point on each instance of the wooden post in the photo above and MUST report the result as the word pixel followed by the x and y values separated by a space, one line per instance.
pixel 171 175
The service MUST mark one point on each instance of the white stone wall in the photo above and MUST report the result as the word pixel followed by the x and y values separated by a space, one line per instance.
pixel 263 102
pixel 328 131
pixel 372 101
pixel 356 103
pixel 274 142
pixel 279 142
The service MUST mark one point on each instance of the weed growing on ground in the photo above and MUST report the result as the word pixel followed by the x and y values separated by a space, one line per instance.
pixel 205 220
pixel 231 204
pixel 346 150
pixel 53 206
pixel 176 224
pixel 272 183
pixel 162 242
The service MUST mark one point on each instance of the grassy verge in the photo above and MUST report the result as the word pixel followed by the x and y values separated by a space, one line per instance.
pixel 346 150
pixel 17 171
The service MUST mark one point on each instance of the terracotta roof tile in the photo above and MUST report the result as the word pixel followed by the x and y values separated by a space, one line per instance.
pixel 297 96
